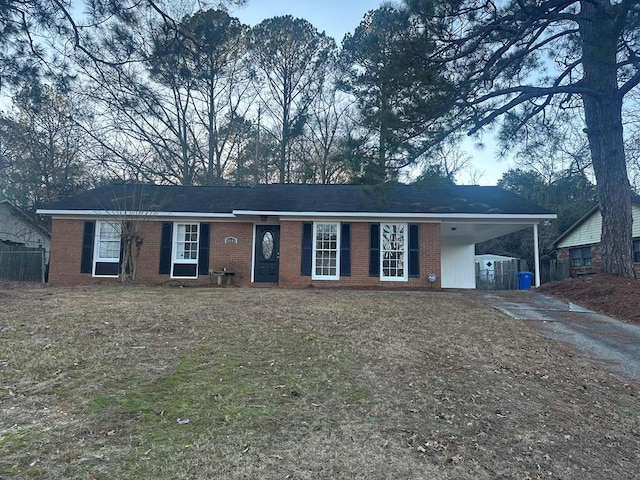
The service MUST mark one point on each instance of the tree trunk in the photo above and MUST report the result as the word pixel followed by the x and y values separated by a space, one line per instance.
pixel 282 157
pixel 599 32
pixel 286 128
pixel 126 255
pixel 212 133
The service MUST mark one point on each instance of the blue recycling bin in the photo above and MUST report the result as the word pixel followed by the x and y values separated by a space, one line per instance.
pixel 524 280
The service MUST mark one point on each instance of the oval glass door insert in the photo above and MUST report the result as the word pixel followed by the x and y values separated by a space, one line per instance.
pixel 267 245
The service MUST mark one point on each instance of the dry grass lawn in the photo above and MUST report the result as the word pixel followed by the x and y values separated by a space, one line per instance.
pixel 99 382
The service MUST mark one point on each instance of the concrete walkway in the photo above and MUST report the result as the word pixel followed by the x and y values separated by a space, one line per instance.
pixel 600 336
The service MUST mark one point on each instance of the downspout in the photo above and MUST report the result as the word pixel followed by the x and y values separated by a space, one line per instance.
pixel 536 254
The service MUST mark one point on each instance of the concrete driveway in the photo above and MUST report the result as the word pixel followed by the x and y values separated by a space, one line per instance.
pixel 600 336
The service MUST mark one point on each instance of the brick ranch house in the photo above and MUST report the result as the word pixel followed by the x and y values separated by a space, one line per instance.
pixel 287 234
pixel 579 245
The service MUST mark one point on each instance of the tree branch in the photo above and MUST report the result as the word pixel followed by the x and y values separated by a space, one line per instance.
pixel 629 85
pixel 525 93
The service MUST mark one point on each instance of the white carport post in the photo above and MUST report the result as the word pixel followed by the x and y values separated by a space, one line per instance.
pixel 536 254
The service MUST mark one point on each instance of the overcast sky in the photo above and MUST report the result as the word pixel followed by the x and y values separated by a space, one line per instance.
pixel 338 17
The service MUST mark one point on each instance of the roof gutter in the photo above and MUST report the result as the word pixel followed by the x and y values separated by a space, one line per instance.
pixel 424 216
pixel 354 215
pixel 124 213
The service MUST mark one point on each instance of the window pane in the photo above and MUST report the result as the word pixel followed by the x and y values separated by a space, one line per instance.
pixel 109 231
pixel 108 241
pixel 393 250
pixel 109 250
pixel 187 242
pixel 267 245
pixel 581 257
pixel 326 250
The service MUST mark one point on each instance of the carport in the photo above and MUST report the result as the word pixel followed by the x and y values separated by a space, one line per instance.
pixel 460 234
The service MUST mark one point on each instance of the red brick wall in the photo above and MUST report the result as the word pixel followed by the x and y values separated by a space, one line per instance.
pixel 234 257
pixel 290 253
pixel 564 254
pixel 149 259
pixel 66 249
pixel 596 261
pixel 290 258
pixel 430 253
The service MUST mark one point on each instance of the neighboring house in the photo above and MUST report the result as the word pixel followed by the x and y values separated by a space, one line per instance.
pixel 19 229
pixel 579 245
pixel 287 234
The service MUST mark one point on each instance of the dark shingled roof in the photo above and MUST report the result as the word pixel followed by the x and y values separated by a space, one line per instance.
pixel 156 198
pixel 303 198
pixel 391 199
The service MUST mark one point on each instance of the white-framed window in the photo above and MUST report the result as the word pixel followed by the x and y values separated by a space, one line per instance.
pixel 581 257
pixel 394 251
pixel 326 251
pixel 106 249
pixel 185 250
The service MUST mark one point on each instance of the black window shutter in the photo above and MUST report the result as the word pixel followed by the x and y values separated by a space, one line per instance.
pixel 86 260
pixel 166 240
pixel 127 228
pixel 307 249
pixel 374 249
pixel 345 249
pixel 203 250
pixel 414 250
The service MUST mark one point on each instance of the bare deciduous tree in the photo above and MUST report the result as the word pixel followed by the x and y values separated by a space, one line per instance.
pixel 291 57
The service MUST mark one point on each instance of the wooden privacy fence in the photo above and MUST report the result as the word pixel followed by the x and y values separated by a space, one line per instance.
pixel 502 276
pixel 22 264
pixel 559 270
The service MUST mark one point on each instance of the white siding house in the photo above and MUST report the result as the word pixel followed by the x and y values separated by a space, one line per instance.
pixel 17 228
pixel 589 229
pixel 579 245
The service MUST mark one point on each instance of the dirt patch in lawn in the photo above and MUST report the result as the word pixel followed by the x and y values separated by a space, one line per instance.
pixel 115 382
pixel 611 295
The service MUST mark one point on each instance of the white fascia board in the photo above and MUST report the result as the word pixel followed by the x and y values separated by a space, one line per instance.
pixel 491 217
pixel 417 216
pixel 116 213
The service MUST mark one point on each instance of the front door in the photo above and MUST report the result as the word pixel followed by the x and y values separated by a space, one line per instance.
pixel 267 253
